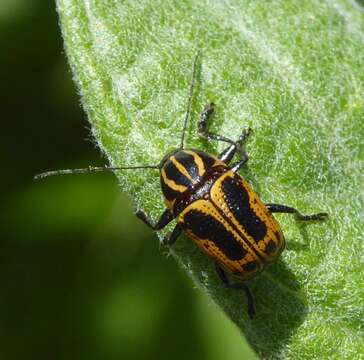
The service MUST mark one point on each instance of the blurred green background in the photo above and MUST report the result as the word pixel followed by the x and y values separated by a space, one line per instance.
pixel 81 278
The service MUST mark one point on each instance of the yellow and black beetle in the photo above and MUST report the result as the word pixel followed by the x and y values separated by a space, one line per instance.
pixel 215 206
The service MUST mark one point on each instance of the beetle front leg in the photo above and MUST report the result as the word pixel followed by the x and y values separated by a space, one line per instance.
pixel 235 146
pixel 227 155
pixel 239 147
pixel 163 221
pixel 235 167
pixel 202 127
pixel 277 208
pixel 222 275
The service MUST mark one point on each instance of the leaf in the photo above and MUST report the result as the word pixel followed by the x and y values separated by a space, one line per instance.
pixel 293 71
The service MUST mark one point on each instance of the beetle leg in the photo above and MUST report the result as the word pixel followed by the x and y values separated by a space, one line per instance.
pixel 276 208
pixel 236 146
pixel 170 239
pixel 227 155
pixel 164 220
pixel 222 275
pixel 235 167
pixel 202 127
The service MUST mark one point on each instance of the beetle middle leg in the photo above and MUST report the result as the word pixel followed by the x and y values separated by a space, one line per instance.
pixel 277 208
pixel 222 275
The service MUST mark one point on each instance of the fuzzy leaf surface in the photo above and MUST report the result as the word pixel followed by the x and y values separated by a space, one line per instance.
pixel 291 70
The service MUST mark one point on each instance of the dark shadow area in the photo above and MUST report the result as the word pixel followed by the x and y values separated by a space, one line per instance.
pixel 281 308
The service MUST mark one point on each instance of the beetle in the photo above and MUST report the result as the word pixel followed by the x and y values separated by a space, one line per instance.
pixel 214 205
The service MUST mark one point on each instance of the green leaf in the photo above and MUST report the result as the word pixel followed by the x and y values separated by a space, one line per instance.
pixel 293 71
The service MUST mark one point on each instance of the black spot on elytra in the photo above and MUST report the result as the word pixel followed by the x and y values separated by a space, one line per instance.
pixel 237 198
pixel 206 227
pixel 271 247
pixel 250 266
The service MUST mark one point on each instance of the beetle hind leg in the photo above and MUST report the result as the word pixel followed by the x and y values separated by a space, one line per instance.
pixel 277 208
pixel 223 277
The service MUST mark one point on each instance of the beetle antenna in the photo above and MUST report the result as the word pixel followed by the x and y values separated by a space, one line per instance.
pixel 190 95
pixel 91 169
